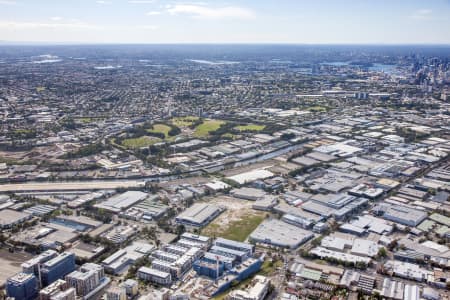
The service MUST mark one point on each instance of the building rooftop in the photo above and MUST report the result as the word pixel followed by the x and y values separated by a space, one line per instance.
pixel 199 213
pixel 280 234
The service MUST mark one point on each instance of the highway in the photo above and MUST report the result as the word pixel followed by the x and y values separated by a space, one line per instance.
pixel 70 185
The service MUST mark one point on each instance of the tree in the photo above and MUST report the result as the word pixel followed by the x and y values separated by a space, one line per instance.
pixel 382 253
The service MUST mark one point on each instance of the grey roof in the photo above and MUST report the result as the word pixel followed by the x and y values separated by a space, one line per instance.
pixel 279 233
pixel 199 213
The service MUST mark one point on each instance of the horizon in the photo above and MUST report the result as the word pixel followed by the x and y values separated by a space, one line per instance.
pixel 44 43
pixel 225 22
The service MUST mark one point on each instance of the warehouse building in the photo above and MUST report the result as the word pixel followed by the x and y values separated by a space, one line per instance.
pixel 122 201
pixel 234 245
pixel 327 253
pixel 401 214
pixel 119 261
pixel 147 210
pixel 235 254
pixel 10 218
pixel 199 214
pixel 280 234
pixel 392 289
pixel 250 176
pixel 248 193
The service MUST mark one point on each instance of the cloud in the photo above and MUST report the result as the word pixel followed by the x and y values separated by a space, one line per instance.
pixel 37 25
pixel 73 25
pixel 7 2
pixel 422 14
pixel 153 13
pixel 141 1
pixel 205 12
pixel 103 2
pixel 145 27
pixel 56 18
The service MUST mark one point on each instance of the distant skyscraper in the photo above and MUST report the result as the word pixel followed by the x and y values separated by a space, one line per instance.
pixel 22 286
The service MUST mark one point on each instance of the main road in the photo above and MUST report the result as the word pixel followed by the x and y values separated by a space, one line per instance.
pixel 70 185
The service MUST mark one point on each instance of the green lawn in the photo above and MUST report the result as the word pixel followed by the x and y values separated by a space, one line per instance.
pixel 236 230
pixel 162 128
pixel 142 141
pixel 184 121
pixel 250 127
pixel 206 127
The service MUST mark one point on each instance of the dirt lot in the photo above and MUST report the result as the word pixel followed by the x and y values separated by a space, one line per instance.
pixel 10 263
pixel 237 222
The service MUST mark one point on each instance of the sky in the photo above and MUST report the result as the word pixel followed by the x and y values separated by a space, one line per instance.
pixel 227 21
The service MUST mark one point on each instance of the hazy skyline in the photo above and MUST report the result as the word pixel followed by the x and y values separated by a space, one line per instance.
pixel 284 21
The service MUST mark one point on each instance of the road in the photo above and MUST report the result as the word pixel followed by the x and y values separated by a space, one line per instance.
pixel 70 185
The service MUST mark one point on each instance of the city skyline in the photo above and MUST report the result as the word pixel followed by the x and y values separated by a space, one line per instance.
pixel 248 22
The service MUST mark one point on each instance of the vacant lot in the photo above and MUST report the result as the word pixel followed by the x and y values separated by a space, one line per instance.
pixel 142 141
pixel 250 127
pixel 237 222
pixel 206 127
pixel 10 263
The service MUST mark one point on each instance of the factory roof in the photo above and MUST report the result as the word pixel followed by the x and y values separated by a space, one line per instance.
pixel 250 176
pixel 118 202
pixel 199 213
pixel 8 217
pixel 280 234
pixel 323 252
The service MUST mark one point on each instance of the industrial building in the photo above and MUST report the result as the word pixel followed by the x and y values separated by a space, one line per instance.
pixel 10 218
pixel 146 210
pixel 400 214
pixel 392 289
pixel 122 201
pixel 234 245
pixel 199 214
pixel 280 234
pixel 248 193
pixel 408 270
pixel 367 223
pixel 327 253
pixel 250 176
pixel 119 261
pixel 266 203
